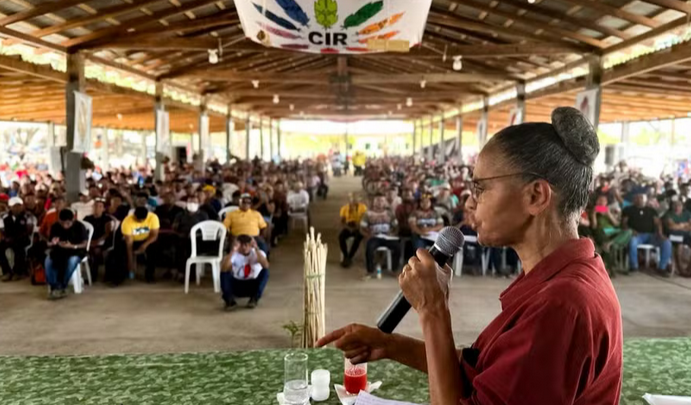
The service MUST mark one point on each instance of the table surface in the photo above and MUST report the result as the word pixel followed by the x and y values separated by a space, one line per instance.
pixel 661 366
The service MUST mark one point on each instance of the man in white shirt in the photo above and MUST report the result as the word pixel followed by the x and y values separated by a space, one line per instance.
pixel 84 207
pixel 298 198
pixel 244 273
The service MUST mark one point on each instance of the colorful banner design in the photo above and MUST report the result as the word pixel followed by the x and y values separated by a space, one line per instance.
pixel 586 103
pixel 335 26
pixel 82 123
pixel 515 116
pixel 163 143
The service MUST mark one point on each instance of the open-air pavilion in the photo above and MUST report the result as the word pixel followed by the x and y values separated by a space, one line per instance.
pixel 479 66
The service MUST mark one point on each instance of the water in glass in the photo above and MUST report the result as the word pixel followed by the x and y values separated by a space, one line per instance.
pixel 295 389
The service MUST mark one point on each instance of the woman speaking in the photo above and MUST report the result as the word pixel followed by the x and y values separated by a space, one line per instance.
pixel 558 338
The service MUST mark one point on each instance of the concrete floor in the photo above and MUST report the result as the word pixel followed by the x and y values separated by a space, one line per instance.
pixel 140 318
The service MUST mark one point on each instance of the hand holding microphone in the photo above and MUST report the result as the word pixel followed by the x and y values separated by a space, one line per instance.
pixel 424 283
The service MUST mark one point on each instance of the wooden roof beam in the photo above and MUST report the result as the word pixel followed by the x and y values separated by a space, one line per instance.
pixel 616 12
pixel 677 5
pixel 41 9
pixel 21 37
pixel 647 63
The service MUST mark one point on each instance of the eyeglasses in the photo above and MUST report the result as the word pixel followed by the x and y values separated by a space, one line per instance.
pixel 476 189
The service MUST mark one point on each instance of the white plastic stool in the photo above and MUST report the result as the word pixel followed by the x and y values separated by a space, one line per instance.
pixel 211 230
pixel 648 249
pixel 387 252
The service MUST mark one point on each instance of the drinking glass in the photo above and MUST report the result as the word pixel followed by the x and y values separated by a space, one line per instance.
pixel 354 377
pixel 295 387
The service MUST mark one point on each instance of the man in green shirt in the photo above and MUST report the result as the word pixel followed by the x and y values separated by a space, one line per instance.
pixel 678 223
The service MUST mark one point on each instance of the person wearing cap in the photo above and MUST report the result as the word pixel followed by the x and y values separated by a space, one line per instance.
pixel 68 239
pixel 16 227
pixel 102 238
pixel 647 229
pixel 83 207
pixel 246 221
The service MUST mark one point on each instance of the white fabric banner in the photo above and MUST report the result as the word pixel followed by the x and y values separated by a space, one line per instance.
pixel 586 103
pixel 163 132
pixel 335 26
pixel 82 122
pixel 482 131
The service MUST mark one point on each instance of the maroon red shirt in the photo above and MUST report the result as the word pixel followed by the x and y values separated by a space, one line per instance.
pixel 558 339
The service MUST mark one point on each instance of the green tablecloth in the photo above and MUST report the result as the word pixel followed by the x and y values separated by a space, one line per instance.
pixel 254 377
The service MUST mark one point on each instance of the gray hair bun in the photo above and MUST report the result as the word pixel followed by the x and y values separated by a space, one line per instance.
pixel 578 135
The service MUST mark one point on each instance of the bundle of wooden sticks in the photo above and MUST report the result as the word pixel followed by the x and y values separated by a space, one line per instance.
pixel 314 304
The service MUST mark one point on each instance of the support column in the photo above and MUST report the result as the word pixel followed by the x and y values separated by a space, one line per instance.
pixel 203 135
pixel 248 129
pixel 624 141
pixel 261 137
pixel 230 127
pixel 520 103
pixel 459 137
pixel 271 140
pixel 430 150
pixel 414 135
pixel 75 180
pixel 593 83
pixel 442 148
pixel 484 119
pixel 158 107
pixel 278 135
pixel 106 149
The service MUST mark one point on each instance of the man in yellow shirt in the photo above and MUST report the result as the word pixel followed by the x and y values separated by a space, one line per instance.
pixel 247 221
pixel 139 234
pixel 351 214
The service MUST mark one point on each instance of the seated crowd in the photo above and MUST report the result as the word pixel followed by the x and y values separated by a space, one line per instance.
pixel 133 219
pixel 412 201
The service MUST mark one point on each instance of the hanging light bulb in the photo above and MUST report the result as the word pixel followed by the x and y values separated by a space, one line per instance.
pixel 409 102
pixel 276 99
pixel 213 56
pixel 292 107
pixel 457 63
pixel 399 106
pixel 119 117
pixel 255 83
pixel 531 1
pixel 423 83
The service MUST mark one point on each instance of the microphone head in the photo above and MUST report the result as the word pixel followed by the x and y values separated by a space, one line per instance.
pixel 449 241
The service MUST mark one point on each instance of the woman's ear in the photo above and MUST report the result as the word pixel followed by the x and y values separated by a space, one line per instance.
pixel 539 196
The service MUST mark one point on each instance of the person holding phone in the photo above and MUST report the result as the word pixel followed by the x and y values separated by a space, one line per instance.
pixel 607 232
pixel 244 273
pixel 67 241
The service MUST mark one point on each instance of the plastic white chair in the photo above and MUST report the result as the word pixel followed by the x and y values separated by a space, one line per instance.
pixel 211 230
pixel 77 279
pixel 299 216
pixel 222 213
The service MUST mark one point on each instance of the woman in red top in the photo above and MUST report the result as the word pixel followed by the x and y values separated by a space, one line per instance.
pixel 558 339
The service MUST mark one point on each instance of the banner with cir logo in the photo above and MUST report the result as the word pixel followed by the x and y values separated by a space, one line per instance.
pixel 335 26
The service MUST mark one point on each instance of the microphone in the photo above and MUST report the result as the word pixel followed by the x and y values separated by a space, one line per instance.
pixel 449 242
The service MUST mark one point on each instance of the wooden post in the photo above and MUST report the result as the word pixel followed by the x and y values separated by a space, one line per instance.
pixel 593 82
pixel 230 126
pixel 248 129
pixel 459 137
pixel 430 150
pixel 442 149
pixel 520 101
pixel 261 137
pixel 278 135
pixel 158 106
pixel 271 140
pixel 75 180
pixel 485 120
pixel 203 133
pixel 414 135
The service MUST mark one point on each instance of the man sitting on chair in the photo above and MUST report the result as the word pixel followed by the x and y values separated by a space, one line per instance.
pixel 16 228
pixel 68 239
pixel 351 214
pixel 378 224
pixel 647 229
pixel 246 221
pixel 244 273
pixel 103 235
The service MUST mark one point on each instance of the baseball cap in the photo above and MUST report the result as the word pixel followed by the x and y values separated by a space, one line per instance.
pixel 4 197
pixel 85 193
pixel 16 201
pixel 245 196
